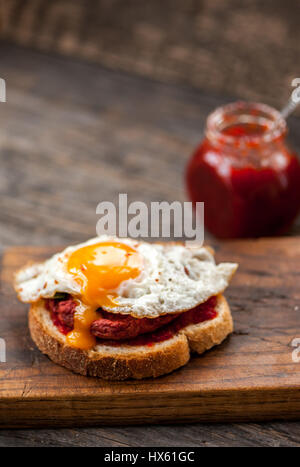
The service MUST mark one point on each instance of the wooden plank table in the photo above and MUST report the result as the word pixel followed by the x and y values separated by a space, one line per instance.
pixel 250 377
pixel 72 135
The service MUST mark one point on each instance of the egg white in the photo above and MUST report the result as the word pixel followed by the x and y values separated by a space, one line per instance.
pixel 174 278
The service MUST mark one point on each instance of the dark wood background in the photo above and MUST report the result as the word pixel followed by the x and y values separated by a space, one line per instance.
pixel 74 133
pixel 247 48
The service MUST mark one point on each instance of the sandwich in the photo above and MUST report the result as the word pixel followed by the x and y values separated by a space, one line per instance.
pixel 120 308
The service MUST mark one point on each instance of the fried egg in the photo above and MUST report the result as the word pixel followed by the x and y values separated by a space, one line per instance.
pixel 127 276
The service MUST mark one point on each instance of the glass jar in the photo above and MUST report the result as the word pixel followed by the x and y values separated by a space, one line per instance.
pixel 244 172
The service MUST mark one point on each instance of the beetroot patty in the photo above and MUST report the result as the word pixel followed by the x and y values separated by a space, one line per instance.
pixel 117 327
pixel 62 313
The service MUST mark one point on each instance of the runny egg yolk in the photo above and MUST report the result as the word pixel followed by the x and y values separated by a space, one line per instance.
pixel 99 269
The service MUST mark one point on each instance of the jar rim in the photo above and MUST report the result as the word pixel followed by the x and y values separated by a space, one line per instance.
pixel 263 114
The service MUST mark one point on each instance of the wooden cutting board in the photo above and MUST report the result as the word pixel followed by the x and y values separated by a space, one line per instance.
pixel 251 376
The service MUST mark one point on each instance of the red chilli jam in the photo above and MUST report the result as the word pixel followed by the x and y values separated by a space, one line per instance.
pixel 243 171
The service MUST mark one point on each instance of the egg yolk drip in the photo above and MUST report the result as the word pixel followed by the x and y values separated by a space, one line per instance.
pixel 99 269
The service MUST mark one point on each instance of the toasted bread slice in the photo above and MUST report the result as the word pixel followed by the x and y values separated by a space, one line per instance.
pixel 126 361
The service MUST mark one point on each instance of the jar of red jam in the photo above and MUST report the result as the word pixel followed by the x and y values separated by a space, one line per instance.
pixel 244 172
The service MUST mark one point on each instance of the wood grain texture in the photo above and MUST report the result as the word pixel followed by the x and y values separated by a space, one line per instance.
pixel 223 47
pixel 251 376
pixel 211 434
pixel 74 134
